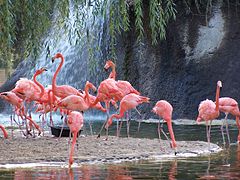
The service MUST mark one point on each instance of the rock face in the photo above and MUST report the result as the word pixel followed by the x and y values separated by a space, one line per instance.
pixel 184 68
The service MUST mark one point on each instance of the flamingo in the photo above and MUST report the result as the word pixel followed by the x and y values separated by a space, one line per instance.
pixel 164 110
pixel 124 86
pixel 16 102
pixel 5 134
pixel 111 90
pixel 208 111
pixel 63 90
pixel 75 123
pixel 130 101
pixel 30 90
pixel 13 99
pixel 107 91
pixel 80 103
pixel 110 64
pixel 229 105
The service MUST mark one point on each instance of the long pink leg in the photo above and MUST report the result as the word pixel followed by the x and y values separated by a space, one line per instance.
pixel 4 131
pixel 72 149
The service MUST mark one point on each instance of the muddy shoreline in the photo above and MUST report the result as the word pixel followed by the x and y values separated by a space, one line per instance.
pixel 90 149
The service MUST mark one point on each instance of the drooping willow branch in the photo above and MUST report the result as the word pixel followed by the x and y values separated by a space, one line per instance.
pixel 24 24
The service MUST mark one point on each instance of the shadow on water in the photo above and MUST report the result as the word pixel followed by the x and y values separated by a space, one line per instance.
pixel 224 165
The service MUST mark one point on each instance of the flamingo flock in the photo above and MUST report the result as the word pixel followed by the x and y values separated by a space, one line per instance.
pixel 72 103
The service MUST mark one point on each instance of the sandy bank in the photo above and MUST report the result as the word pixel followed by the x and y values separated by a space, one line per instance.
pixel 91 149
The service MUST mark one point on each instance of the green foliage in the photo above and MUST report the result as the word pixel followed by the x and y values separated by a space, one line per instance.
pixel 25 23
pixel 139 18
pixel 160 13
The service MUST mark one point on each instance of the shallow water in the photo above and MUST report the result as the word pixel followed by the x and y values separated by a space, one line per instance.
pixel 224 165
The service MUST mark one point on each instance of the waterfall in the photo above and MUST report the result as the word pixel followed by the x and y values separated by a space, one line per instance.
pixel 82 57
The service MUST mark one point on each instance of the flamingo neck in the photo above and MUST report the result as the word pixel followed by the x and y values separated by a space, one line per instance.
pixel 54 84
pixel 118 116
pixel 170 129
pixel 113 73
pixel 95 102
pixel 217 98
pixel 38 84
pixel 87 94
pixel 72 148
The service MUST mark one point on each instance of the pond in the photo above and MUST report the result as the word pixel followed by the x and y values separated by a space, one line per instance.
pixel 223 165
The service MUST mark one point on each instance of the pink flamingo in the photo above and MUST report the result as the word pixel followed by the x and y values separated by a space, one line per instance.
pixel 63 90
pixel 111 90
pixel 5 134
pixel 79 103
pixel 124 86
pixel 164 109
pixel 75 123
pixel 130 101
pixel 107 91
pixel 17 102
pixel 208 111
pixel 28 89
pixel 229 105
pixel 110 64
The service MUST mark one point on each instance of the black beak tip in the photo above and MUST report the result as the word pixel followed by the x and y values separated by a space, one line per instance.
pixel 53 59
pixel 175 153
pixel 105 69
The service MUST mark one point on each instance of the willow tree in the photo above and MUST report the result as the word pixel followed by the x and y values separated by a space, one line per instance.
pixel 25 23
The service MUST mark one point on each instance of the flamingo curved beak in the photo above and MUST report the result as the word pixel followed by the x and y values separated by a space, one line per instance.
pixel 53 59
pixel 80 90
pixel 106 69
pixel 154 110
pixel 94 89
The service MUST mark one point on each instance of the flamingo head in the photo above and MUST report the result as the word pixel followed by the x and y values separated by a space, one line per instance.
pixel 58 55
pixel 81 91
pixel 154 110
pixel 219 83
pixel 108 64
pixel 4 94
pixel 91 86
pixel 41 70
pixel 199 119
